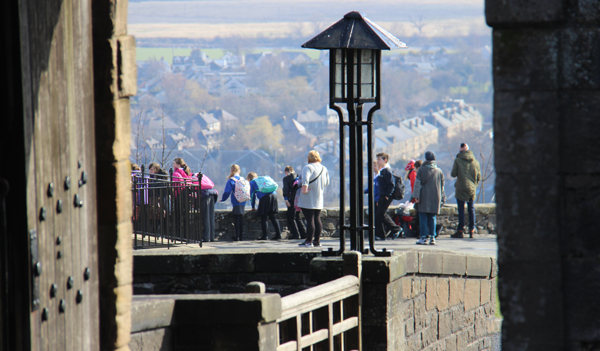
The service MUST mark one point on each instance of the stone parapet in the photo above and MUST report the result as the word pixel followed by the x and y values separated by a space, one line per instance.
pixel 485 221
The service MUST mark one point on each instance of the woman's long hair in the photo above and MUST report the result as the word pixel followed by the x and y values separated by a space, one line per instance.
pixel 183 165
pixel 235 169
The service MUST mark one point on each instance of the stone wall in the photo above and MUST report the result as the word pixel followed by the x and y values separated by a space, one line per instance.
pixel 485 219
pixel 410 301
pixel 424 300
pixel 547 152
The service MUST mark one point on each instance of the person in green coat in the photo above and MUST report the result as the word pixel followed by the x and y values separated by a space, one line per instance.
pixel 429 195
pixel 467 172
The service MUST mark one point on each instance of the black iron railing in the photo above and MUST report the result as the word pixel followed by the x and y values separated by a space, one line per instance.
pixel 166 210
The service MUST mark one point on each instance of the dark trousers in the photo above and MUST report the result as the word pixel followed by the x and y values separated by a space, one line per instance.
pixel 238 221
pixel 208 218
pixel 461 214
pixel 383 219
pixel 263 224
pixel 313 224
pixel 295 223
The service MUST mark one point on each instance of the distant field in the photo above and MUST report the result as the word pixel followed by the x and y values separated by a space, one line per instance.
pixel 209 19
pixel 144 54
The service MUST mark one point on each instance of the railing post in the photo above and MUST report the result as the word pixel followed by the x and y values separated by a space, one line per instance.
pixel 353 266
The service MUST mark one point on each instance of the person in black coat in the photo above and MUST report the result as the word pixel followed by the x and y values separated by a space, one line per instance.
pixel 297 229
pixel 386 189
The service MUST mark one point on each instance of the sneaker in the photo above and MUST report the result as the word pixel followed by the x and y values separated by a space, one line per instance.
pixel 457 235
pixel 396 234
pixel 306 244
pixel 316 244
pixel 471 232
pixel 432 241
pixel 422 241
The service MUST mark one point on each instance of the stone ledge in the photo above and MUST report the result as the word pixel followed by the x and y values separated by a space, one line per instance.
pixel 185 263
pixel 204 309
pixel 150 312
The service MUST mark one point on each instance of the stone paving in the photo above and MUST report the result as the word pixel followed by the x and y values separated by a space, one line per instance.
pixel 481 245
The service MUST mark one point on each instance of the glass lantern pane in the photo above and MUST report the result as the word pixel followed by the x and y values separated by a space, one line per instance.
pixel 366 56
pixel 366 73
pixel 338 91
pixel 338 56
pixel 338 73
pixel 366 91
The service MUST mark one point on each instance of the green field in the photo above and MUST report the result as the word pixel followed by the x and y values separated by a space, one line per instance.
pixel 144 54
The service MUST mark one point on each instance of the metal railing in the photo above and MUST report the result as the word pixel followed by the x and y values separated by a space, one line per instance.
pixel 166 210
pixel 325 317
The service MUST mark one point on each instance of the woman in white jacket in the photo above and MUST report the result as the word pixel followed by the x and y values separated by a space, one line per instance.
pixel 314 179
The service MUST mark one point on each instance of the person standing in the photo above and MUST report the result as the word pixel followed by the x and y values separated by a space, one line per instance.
pixel 315 177
pixel 209 197
pixel 386 189
pixel 238 207
pixel 428 194
pixel 267 207
pixel 296 226
pixel 467 172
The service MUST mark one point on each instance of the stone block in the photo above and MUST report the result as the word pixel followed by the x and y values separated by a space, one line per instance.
pixel 442 286
pixel 451 343
pixel 409 326
pixel 453 264
pixel 542 241
pixel 415 286
pixel 374 304
pixel 414 343
pixel 479 266
pixel 383 269
pixel 420 313
pixel 525 60
pixel 513 13
pixel 472 291
pixel 459 321
pixel 578 142
pixel 494 268
pixel 149 312
pixel 406 287
pixel 408 309
pixel 186 263
pixel 457 291
pixel 283 261
pixel 412 262
pixel 430 262
pixel 127 67
pixel 581 291
pixel 462 340
pixel 152 340
pixel 521 304
pixel 583 11
pixel 579 57
pixel 486 291
pixel 445 324
pixel 431 294
pixel 526 127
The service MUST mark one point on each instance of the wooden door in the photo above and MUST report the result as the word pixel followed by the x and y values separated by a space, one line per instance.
pixel 56 52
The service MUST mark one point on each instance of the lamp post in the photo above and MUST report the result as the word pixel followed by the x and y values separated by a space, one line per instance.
pixel 355 45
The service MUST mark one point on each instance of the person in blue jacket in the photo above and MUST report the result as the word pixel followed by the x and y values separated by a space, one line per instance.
pixel 267 207
pixel 238 207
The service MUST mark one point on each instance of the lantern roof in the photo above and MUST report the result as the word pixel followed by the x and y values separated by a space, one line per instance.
pixel 355 31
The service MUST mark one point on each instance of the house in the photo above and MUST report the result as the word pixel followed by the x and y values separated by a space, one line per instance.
pixel 405 140
pixel 294 57
pixel 228 121
pixel 296 134
pixel 155 126
pixel 333 119
pixel 453 117
pixel 209 122
pixel 234 86
pixel 312 121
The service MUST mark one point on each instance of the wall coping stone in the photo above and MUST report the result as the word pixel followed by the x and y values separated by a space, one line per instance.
pixel 389 269
pixel 204 309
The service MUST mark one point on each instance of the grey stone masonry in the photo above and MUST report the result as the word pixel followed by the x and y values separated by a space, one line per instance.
pixel 423 300
pixel 547 153
pixel 485 221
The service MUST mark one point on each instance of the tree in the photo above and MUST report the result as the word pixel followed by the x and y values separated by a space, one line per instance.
pixel 140 146
pixel 418 23
pixel 260 134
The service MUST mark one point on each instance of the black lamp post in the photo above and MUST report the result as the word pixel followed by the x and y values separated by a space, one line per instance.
pixel 355 45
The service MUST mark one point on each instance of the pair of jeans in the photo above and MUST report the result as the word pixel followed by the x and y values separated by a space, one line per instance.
pixel 313 224
pixel 461 214
pixel 295 224
pixel 427 221
pixel 382 218
pixel 208 218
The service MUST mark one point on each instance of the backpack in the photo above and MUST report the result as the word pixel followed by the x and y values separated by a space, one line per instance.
pixel 242 190
pixel 295 187
pixel 266 184
pixel 398 193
